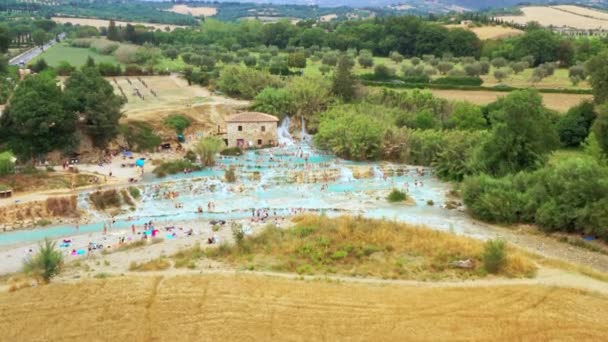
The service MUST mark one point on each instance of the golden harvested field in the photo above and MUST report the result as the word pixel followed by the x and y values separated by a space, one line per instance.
pixel 194 11
pixel 104 23
pixel 259 308
pixel 559 102
pixel 490 32
pixel 571 16
pixel 586 12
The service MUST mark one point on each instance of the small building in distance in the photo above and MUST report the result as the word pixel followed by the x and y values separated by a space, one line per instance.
pixel 251 129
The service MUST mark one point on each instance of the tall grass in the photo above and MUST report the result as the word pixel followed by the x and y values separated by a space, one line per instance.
pixel 364 247
pixel 62 206
pixel 106 199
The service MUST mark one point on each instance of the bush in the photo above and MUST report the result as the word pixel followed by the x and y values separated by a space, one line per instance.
pixel 383 72
pixel 232 151
pixel 459 80
pixel 64 68
pixel 230 175
pixel 109 69
pixel 237 233
pixel 178 122
pixel 573 128
pixel 134 70
pixel 173 167
pixel 46 264
pixel 135 193
pixel 494 255
pixel 105 199
pixel 396 196
pixel 140 136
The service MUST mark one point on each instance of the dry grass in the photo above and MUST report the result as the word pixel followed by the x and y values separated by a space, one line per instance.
pixel 152 265
pixel 194 11
pixel 105 23
pixel 490 32
pixel 41 181
pixel 559 102
pixel 357 246
pixel 571 16
pixel 62 206
pixel 214 308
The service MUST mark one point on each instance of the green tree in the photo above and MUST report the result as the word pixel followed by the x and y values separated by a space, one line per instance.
pixel 352 131
pixel 178 122
pixel 573 128
pixel 297 60
pixel 7 163
pixel 343 83
pixel 45 264
pixel 521 136
pixel 276 101
pixel 36 121
pixel 366 60
pixel 92 97
pixel 467 116
pixel 383 72
pixel 597 69
pixel 310 94
pixel 243 82
pixel 600 128
pixel 171 53
pixel 207 148
pixel 113 33
pixel 39 37
pixel 593 149
pixel 5 39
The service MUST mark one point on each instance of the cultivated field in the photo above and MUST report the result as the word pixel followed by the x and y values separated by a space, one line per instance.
pixel 490 32
pixel 571 16
pixel 233 307
pixel 559 102
pixel 104 23
pixel 194 11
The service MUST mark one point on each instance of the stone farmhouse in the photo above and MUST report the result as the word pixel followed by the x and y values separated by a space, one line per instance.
pixel 251 129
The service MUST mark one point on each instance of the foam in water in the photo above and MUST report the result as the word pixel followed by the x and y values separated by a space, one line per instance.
pixel 346 174
pixel 378 174
pixel 285 138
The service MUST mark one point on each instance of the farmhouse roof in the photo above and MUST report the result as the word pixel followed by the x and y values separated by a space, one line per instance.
pixel 252 117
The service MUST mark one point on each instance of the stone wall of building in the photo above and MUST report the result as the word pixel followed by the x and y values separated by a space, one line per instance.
pixel 251 133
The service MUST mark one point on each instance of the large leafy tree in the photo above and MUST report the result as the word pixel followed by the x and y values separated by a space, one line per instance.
pixel 597 69
pixel 600 128
pixel 36 121
pixel 93 99
pixel 573 128
pixel 521 136
pixel 353 131
pixel 343 81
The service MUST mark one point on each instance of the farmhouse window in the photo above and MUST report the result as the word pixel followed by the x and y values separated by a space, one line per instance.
pixel 263 128
pixel 240 128
pixel 259 141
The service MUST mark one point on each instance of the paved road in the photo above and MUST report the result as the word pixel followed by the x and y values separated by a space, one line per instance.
pixel 27 56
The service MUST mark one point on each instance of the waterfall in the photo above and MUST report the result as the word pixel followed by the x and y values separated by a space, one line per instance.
pixel 346 175
pixel 304 136
pixel 283 132
pixel 378 174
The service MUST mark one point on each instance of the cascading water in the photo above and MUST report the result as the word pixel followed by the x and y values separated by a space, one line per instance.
pixel 285 138
pixel 378 174
pixel 304 136
pixel 346 175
